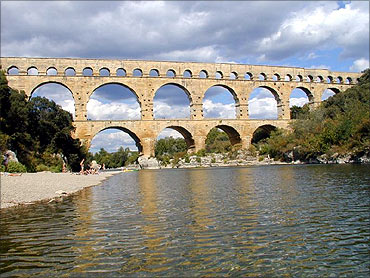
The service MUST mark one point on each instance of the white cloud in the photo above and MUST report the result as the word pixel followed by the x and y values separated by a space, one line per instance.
pixel 298 101
pixel 262 108
pixel 97 110
pixel 360 65
pixel 218 110
pixel 169 132
pixel 163 110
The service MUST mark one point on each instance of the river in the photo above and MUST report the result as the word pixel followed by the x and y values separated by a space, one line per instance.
pixel 267 221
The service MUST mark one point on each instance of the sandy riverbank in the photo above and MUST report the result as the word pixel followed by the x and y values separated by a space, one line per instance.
pixel 32 187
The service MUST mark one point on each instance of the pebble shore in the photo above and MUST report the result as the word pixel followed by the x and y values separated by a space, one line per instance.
pixel 32 187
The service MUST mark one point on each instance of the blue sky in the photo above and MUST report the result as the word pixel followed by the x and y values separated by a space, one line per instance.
pixel 317 34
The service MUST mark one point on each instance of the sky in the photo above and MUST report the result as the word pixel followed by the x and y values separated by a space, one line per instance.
pixel 317 34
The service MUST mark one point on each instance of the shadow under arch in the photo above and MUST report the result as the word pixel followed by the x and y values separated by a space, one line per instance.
pixel 307 92
pixel 232 133
pixel 262 132
pixel 126 130
pixel 188 137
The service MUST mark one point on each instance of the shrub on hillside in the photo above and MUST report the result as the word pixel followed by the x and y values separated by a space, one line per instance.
pixel 16 167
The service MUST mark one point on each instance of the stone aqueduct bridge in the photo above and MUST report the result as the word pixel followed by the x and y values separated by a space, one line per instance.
pixel 83 76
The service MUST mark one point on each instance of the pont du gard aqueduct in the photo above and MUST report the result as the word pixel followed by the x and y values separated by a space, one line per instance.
pixel 83 76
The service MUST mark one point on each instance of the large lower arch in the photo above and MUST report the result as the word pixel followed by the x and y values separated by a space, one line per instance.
pixel 262 132
pixel 169 103
pixel 137 140
pixel 329 92
pixel 188 137
pixel 58 92
pixel 113 101
pixel 232 133
pixel 218 104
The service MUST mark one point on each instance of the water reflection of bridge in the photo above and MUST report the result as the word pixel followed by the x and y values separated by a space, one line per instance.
pixel 83 76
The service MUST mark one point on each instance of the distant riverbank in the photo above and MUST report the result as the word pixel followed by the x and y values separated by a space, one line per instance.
pixel 33 187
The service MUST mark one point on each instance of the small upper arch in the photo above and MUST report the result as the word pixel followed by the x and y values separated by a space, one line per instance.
pixel 121 72
pixel 299 78
pixel 288 77
pixel 219 75
pixel 203 74
pixel 70 71
pixel 187 74
pixel 51 71
pixel 319 79
pixel 104 72
pixel 233 75
pixel 248 76
pixel 137 72
pixel 262 76
pixel 276 77
pixel 13 70
pixel 171 73
pixel 339 79
pixel 153 73
pixel 32 71
pixel 87 71
pixel 329 79
pixel 309 78
pixel 348 80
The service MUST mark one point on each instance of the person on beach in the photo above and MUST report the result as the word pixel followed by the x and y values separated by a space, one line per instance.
pixel 82 166
pixel 6 161
pixel 64 169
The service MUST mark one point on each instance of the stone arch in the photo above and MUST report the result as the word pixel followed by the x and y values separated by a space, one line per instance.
pixel 279 104
pixel 348 80
pixel 87 71
pixel 187 74
pixel 32 71
pixel 12 70
pixel 104 72
pixel 262 132
pixel 232 133
pixel 309 78
pixel 262 76
pixel 70 71
pixel 63 99
pixel 51 71
pixel 132 134
pixel 339 80
pixel 188 137
pixel 117 83
pixel 276 77
pixel 51 82
pixel 121 72
pixel 184 89
pixel 329 79
pixel 154 73
pixel 307 92
pixel 230 90
pixel 219 75
pixel 288 77
pixel 233 75
pixel 328 92
pixel 248 76
pixel 299 78
pixel 171 73
pixel 203 74
pixel 319 79
pixel 137 73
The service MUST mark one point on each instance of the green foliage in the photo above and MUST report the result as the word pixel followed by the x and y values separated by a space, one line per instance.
pixel 16 167
pixel 122 157
pixel 297 112
pixel 217 141
pixel 35 127
pixel 170 146
pixel 341 124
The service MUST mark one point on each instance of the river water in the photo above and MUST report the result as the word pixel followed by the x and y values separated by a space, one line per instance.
pixel 268 221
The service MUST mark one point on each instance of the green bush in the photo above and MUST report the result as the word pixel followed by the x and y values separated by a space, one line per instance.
pixel 16 167
pixel 41 168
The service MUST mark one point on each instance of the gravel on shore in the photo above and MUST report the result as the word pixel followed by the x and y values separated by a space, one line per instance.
pixel 32 187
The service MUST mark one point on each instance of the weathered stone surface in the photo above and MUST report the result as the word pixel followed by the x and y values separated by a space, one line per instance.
pixel 146 162
pixel 195 129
